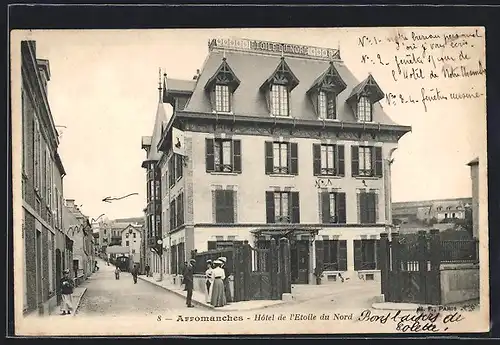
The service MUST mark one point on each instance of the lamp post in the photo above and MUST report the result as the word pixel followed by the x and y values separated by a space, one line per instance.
pixel 159 242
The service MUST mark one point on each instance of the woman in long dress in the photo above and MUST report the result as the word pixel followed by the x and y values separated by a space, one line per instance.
pixel 208 280
pixel 218 298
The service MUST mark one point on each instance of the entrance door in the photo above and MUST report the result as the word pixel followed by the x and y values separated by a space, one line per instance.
pixel 299 254
pixel 58 274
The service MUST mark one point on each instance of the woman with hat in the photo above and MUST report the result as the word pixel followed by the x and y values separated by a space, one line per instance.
pixel 227 291
pixel 208 279
pixel 218 296
pixel 67 287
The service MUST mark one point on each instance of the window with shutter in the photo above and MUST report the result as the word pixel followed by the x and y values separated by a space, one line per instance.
pixel 358 259
pixel 281 158
pixel 224 211
pixel 378 162
pixel 237 156
pixel 270 216
pixel 295 204
pixel 340 161
pixel 354 160
pixel 209 155
pixel 333 208
pixel 342 247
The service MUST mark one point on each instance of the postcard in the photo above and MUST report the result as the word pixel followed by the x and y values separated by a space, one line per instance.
pixel 250 181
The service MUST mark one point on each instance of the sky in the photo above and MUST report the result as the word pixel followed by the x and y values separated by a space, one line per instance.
pixel 103 97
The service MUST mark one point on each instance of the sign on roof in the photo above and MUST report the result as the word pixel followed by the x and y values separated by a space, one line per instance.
pixel 274 48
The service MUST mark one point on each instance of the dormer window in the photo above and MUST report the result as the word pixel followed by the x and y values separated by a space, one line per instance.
pixel 221 87
pixel 363 97
pixel 327 106
pixel 364 109
pixel 277 89
pixel 222 102
pixel 324 91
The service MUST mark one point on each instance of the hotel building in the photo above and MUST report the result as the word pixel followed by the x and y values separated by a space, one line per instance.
pixel 271 140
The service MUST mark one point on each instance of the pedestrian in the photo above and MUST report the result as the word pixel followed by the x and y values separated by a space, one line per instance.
pixel 188 282
pixel 184 270
pixel 67 287
pixel 208 279
pixel 135 271
pixel 227 290
pixel 147 268
pixel 117 273
pixel 218 296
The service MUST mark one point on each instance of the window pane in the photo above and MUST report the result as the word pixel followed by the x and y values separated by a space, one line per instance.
pixel 322 105
pixel 284 155
pixel 217 153
pixel 323 156
pixel 332 205
pixel 277 206
pixel 284 205
pixel 226 152
pixel 276 155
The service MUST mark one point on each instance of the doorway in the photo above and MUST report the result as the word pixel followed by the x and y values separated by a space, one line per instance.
pixel 299 256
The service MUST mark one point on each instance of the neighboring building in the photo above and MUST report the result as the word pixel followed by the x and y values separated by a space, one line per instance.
pixel 428 212
pixel 474 175
pixel 131 238
pixel 46 246
pixel 270 144
pixel 95 243
pixel 78 227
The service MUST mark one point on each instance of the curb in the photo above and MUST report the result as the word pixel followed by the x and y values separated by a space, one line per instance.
pixel 78 303
pixel 209 306
pixel 178 293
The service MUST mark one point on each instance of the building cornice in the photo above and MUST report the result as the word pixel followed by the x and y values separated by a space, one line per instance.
pixel 272 126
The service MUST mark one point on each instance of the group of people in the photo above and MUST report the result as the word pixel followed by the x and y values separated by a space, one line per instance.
pixel 134 271
pixel 218 293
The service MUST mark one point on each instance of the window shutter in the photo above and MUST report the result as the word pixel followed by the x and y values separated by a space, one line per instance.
pixel 220 205
pixel 230 206
pixel 341 208
pixel 325 207
pixel 294 159
pixel 181 165
pixel 358 260
pixel 211 245
pixel 295 203
pixel 354 160
pixel 209 154
pixel 270 207
pixel 378 162
pixel 181 209
pixel 342 255
pixel 340 162
pixel 237 156
pixel 269 157
pixel 316 159
pixel 320 259
pixel 377 254
pixel 370 208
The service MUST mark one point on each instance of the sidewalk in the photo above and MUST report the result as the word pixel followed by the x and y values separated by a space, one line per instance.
pixel 199 298
pixel 77 298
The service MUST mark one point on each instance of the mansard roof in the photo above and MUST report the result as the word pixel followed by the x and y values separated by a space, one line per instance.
pixel 252 69
pixel 160 120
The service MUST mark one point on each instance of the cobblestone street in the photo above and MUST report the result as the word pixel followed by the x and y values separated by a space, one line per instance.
pixel 107 296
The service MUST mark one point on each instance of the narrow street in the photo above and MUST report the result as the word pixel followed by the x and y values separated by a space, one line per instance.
pixel 106 296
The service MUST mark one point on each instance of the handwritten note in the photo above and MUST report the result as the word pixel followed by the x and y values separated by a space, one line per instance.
pixel 438 66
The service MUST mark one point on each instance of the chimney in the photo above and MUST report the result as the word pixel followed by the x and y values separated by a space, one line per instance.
pixel 197 75
pixel 70 203
pixel 44 69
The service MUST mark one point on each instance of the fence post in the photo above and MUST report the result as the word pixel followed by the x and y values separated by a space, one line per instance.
pixel 274 269
pixel 384 264
pixel 247 269
pixel 237 272
pixel 435 257
pixel 286 272
pixel 422 256
pixel 395 285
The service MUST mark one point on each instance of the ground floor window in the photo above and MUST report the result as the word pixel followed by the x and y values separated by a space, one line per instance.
pixel 331 255
pixel 365 254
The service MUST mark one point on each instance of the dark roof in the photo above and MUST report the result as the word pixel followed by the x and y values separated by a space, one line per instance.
pixel 253 70
pixel 180 85
pixel 475 161
pixel 160 120
pixel 370 82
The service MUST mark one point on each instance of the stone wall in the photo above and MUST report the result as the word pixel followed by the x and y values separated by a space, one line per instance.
pixel 459 283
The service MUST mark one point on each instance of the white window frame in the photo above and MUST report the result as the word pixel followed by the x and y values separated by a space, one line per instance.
pixel 364 109
pixel 365 161
pixel 222 98
pixel 280 100
pixel 281 157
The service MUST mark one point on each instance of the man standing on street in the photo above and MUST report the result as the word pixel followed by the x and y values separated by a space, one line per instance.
pixel 188 281
pixel 147 270
pixel 134 273
pixel 67 287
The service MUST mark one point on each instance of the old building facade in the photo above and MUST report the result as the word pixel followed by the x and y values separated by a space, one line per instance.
pixel 296 147
pixel 46 246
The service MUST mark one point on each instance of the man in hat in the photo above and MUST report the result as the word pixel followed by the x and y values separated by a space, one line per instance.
pixel 67 287
pixel 227 291
pixel 188 282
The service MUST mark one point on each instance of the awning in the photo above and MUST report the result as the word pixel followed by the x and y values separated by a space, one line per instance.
pixel 285 231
